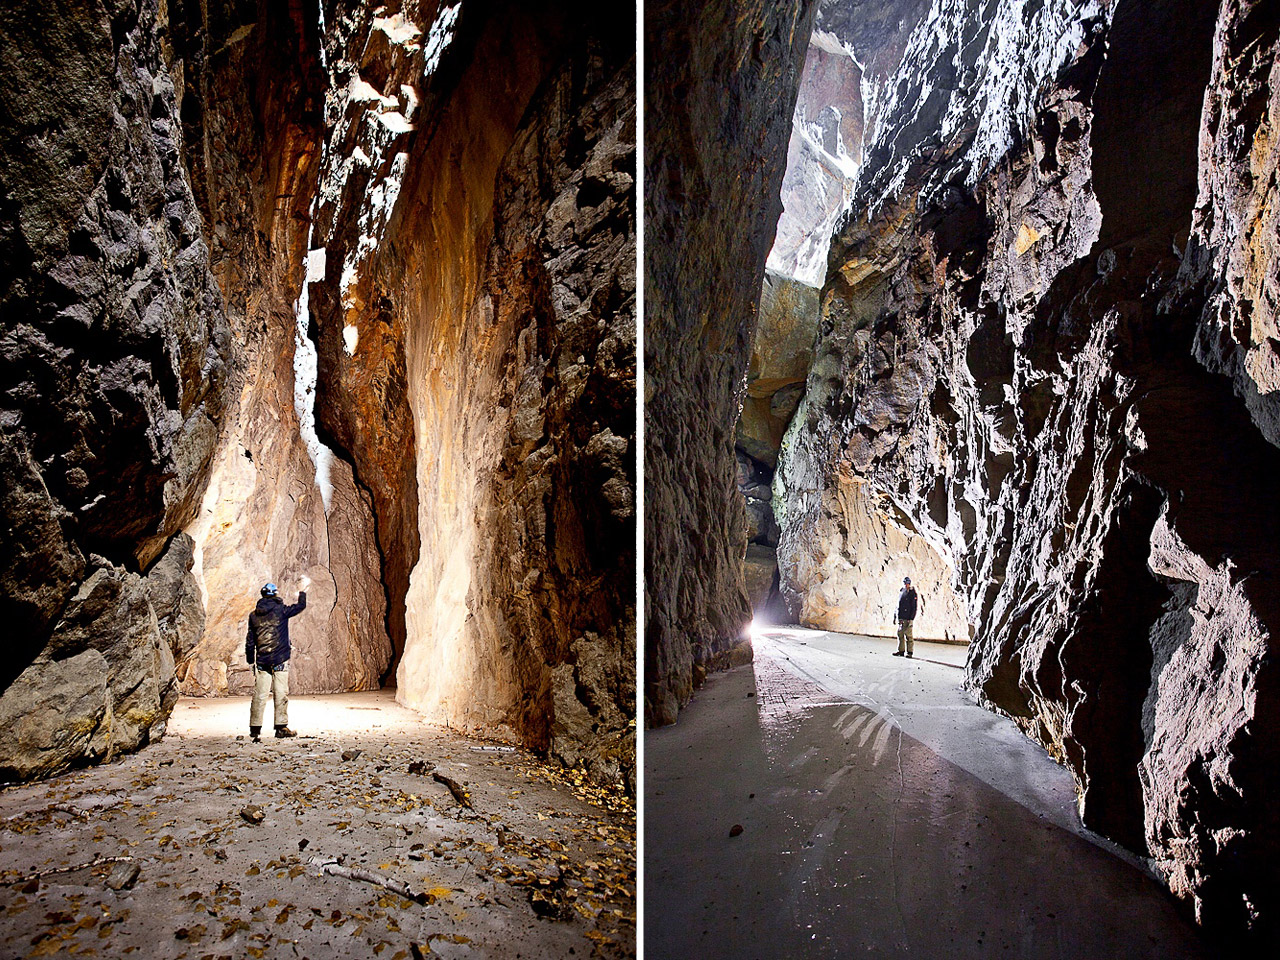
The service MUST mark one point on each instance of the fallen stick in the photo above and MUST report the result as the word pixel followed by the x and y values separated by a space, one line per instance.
pixel 41 874
pixel 335 869
pixel 459 794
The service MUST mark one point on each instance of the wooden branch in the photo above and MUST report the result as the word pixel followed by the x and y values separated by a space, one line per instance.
pixel 459 794
pixel 40 874
pixel 335 869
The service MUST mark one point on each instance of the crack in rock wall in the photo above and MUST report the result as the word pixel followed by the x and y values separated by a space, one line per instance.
pixel 477 309
pixel 1044 341
pixel 719 96
pixel 114 379
pixel 252 116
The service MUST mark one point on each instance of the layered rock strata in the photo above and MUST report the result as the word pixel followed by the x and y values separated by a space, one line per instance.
pixel 113 381
pixel 720 92
pixel 1044 343
pixel 475 325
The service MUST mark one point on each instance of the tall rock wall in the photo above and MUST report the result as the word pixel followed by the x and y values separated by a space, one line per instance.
pixel 114 370
pixel 1044 342
pixel 476 331
pixel 279 506
pixel 720 91
pixel 848 582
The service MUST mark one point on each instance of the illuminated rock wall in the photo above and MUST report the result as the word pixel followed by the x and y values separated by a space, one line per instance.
pixel 1045 343
pixel 437 432
pixel 477 359
pixel 715 153
pixel 252 124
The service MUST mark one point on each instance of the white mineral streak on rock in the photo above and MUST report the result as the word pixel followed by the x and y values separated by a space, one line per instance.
pixel 399 30
pixel 315 265
pixel 440 36
pixel 410 100
pixel 996 71
pixel 361 92
pixel 395 122
pixel 304 380
pixel 347 285
pixel 831 43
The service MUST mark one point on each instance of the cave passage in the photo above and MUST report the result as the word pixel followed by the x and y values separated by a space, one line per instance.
pixel 339 297
pixel 832 801
pixel 989 301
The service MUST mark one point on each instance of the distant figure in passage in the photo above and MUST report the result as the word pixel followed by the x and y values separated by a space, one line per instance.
pixel 266 648
pixel 907 602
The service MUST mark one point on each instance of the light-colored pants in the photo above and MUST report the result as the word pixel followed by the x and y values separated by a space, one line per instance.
pixel 275 682
pixel 905 641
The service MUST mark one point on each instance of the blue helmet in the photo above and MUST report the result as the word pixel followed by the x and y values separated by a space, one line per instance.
pixel 269 590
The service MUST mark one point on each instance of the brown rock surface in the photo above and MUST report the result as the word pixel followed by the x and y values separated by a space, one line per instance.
pixel 252 118
pixel 781 354
pixel 477 309
pixel 159 389
pixel 847 574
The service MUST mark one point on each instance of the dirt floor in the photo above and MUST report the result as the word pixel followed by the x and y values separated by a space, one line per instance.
pixel 538 866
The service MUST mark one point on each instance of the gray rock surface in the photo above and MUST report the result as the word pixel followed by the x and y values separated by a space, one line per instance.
pixel 114 352
pixel 104 682
pixel 1026 359
pixel 715 153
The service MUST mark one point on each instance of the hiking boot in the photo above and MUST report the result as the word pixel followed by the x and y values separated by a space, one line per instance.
pixel 911 655
pixel 899 654
pixel 255 734
pixel 284 732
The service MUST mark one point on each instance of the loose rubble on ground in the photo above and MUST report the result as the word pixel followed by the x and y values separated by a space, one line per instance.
pixel 416 842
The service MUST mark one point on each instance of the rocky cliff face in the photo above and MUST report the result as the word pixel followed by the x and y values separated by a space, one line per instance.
pixel 476 336
pixel 850 581
pixel 1046 348
pixel 437 433
pixel 715 155
pixel 114 374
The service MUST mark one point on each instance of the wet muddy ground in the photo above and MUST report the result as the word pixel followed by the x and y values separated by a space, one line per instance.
pixel 538 865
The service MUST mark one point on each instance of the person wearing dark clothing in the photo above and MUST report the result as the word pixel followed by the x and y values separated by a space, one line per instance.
pixel 266 648
pixel 907 605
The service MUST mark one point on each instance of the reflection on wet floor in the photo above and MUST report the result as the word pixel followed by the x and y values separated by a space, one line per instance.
pixel 831 800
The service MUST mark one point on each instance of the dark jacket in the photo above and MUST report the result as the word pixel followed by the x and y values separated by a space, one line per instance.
pixel 907 604
pixel 267 641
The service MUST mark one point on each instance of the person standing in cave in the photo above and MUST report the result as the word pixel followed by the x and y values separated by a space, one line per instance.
pixel 908 603
pixel 266 648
